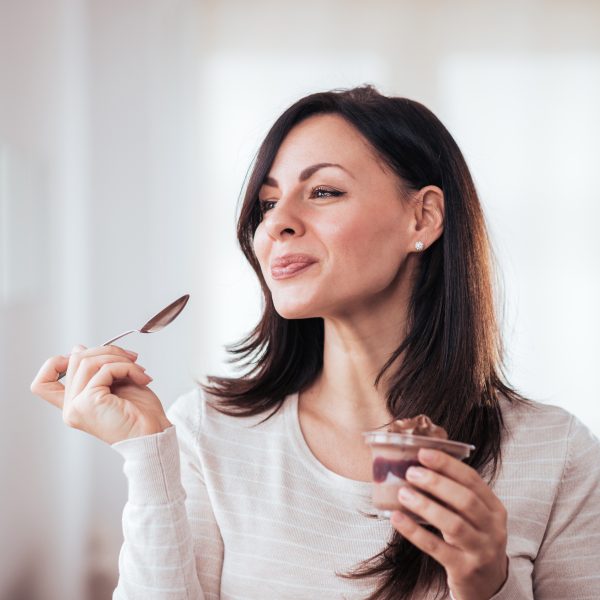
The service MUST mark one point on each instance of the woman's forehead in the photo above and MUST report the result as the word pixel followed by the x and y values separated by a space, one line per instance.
pixel 323 139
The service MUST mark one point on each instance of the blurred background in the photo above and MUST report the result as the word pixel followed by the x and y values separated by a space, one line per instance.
pixel 126 130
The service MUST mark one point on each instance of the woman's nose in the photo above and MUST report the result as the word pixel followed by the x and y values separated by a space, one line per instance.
pixel 284 219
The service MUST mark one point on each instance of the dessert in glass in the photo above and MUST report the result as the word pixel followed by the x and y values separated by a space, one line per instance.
pixel 396 449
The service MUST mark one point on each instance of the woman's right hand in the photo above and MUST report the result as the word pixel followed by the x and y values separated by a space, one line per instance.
pixel 105 393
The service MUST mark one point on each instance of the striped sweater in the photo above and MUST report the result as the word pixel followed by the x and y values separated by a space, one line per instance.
pixel 220 508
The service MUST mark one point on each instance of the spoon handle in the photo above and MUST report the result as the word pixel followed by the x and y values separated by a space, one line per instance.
pixel 119 337
pixel 61 375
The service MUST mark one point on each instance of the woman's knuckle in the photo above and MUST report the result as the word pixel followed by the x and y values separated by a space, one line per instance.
pixel 97 399
pixel 503 514
pixel 471 502
pixel 431 479
pixel 456 527
pixel 500 519
pixel 431 545
pixel 86 362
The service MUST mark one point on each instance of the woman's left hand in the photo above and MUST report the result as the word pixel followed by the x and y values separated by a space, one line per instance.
pixel 473 548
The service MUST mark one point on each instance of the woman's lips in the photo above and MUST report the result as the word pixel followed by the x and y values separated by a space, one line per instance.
pixel 290 270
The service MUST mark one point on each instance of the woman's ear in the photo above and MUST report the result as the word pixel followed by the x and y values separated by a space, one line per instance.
pixel 429 217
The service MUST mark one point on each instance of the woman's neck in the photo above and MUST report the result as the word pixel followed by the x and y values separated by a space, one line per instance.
pixel 344 393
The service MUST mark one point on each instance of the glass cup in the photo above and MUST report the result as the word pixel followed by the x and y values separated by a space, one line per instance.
pixel 393 454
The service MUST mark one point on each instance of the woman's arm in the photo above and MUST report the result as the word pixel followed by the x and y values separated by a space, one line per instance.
pixel 173 548
pixel 172 545
pixel 568 562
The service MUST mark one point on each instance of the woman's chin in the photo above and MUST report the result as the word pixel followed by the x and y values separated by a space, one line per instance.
pixel 294 311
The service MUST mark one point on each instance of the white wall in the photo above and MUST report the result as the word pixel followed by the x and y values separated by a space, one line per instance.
pixel 126 129
pixel 99 185
pixel 530 127
pixel 43 147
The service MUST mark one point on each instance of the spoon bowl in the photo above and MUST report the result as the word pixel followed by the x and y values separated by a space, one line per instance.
pixel 156 323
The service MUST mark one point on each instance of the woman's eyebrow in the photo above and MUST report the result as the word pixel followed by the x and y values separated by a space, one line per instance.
pixel 306 173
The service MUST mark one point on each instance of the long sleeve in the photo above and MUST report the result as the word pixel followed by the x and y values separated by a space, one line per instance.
pixel 514 588
pixel 172 547
pixel 568 562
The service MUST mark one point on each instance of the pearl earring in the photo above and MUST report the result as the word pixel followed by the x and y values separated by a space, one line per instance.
pixel 419 246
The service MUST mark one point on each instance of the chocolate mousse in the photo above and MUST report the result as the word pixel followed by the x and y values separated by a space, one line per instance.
pixel 420 425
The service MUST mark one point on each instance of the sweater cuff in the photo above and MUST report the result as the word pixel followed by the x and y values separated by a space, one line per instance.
pixel 510 590
pixel 152 468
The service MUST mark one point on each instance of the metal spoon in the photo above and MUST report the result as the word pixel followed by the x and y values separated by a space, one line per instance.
pixel 156 323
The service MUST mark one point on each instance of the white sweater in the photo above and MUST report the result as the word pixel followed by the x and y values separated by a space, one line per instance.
pixel 220 509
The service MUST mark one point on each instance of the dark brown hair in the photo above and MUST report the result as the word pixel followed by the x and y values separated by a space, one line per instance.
pixel 451 367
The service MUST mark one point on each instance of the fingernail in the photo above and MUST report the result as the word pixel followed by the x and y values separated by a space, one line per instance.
pixel 405 493
pixel 132 354
pixel 77 348
pixel 415 473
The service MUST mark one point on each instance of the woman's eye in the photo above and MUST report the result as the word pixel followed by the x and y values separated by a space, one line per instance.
pixel 264 204
pixel 318 192
pixel 321 192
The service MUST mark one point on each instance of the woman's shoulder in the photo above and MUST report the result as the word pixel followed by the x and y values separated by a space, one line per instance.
pixel 539 429
pixel 533 415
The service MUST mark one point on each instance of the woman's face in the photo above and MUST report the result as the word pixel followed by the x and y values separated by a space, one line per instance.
pixel 351 218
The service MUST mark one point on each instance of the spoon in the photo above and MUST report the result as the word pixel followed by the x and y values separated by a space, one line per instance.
pixel 156 323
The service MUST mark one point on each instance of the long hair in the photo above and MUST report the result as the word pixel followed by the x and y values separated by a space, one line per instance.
pixel 451 357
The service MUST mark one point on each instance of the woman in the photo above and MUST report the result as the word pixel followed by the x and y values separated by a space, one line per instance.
pixel 363 225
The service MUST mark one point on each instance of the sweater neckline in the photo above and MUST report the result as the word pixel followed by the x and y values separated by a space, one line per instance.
pixel 319 470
